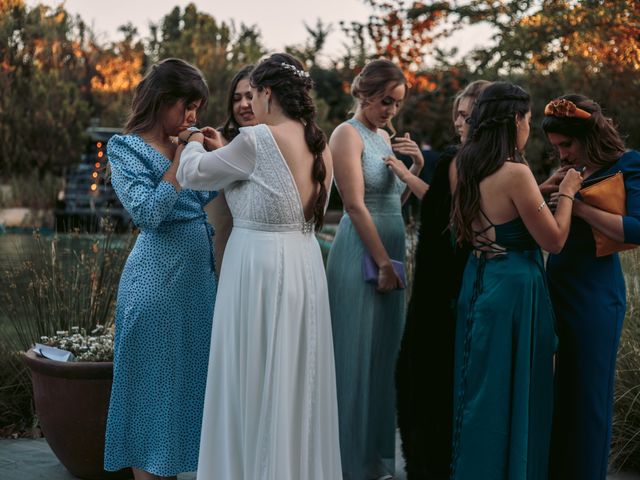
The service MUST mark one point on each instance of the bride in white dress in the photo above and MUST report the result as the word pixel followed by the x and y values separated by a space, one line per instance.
pixel 270 408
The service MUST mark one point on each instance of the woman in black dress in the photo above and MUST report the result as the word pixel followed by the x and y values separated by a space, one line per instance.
pixel 424 372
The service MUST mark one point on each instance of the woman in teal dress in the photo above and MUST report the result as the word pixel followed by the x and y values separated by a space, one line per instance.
pixel 368 319
pixel 588 292
pixel 505 339
pixel 167 290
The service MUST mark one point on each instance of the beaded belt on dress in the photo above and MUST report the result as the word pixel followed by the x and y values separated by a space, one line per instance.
pixel 304 227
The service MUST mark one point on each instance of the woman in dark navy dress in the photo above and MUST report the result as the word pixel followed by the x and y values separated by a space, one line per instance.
pixel 588 292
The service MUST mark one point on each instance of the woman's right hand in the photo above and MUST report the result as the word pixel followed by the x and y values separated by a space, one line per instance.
pixel 388 279
pixel 212 138
pixel 551 184
pixel 398 167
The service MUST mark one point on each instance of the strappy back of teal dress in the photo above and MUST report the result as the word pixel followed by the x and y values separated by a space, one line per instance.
pixel 512 235
pixel 505 341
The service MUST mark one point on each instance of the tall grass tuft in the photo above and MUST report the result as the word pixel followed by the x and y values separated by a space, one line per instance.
pixel 62 282
pixel 52 284
pixel 625 452
pixel 17 414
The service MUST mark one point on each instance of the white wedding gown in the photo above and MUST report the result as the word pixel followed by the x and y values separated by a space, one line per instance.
pixel 270 409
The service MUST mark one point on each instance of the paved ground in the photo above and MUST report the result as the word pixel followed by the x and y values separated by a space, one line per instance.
pixel 25 459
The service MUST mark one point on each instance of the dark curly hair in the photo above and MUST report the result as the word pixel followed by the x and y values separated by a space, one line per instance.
pixel 231 127
pixel 598 135
pixel 491 142
pixel 166 83
pixel 291 88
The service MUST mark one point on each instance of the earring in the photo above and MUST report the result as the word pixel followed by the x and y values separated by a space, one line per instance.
pixel 269 105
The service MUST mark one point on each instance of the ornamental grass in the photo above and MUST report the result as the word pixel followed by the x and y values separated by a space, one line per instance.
pixel 625 451
pixel 59 290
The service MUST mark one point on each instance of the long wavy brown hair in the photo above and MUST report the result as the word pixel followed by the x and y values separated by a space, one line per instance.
pixel 166 83
pixel 231 127
pixel 491 142
pixel 598 135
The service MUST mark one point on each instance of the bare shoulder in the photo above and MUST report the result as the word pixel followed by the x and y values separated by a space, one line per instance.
pixel 517 178
pixel 344 132
pixel 516 171
pixel 345 140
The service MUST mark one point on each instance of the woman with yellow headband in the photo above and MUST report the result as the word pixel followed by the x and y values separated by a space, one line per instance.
pixel 587 290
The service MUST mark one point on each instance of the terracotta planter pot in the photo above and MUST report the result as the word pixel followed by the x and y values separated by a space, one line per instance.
pixel 71 400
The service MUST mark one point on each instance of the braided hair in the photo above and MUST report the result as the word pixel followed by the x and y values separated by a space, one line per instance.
pixel 291 87
pixel 492 141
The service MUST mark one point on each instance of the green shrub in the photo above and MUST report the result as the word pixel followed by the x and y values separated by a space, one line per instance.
pixel 31 191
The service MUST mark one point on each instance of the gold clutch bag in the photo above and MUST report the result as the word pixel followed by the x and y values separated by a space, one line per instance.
pixel 607 194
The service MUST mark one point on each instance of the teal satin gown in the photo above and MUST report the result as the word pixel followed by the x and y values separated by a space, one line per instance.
pixel 505 342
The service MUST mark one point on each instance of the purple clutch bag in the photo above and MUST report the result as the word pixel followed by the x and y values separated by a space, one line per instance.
pixel 370 270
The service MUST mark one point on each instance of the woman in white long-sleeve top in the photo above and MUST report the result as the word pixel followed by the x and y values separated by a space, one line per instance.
pixel 270 407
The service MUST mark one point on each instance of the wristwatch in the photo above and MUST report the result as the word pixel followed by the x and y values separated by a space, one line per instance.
pixel 184 142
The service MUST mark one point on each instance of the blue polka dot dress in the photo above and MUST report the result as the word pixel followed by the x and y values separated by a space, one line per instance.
pixel 163 317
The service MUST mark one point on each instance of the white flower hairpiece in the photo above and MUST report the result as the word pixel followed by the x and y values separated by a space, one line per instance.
pixel 300 73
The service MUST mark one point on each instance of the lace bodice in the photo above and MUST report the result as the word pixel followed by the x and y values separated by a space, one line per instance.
pixel 378 178
pixel 258 184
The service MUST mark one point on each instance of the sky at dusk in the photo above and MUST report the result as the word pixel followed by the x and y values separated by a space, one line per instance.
pixel 280 21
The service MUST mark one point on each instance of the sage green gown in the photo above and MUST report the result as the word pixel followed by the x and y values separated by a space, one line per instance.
pixel 367 325
pixel 505 342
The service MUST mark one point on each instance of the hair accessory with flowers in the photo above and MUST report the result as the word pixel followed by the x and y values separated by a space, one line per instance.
pixel 292 68
pixel 561 107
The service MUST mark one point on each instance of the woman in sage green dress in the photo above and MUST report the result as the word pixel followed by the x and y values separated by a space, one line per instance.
pixel 368 319
pixel 505 338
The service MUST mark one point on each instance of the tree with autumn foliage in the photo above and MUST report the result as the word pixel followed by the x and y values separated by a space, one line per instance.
pixel 116 69
pixel 53 68
pixel 218 49
pixel 549 47
pixel 43 106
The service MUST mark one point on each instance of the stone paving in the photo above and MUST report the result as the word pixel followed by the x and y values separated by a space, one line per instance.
pixel 26 459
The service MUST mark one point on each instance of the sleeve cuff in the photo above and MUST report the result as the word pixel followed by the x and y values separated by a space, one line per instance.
pixel 631 229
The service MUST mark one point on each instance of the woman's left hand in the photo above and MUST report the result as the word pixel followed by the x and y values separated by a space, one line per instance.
pixel 406 146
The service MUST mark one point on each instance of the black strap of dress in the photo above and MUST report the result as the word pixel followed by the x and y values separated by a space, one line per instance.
pixel 483 243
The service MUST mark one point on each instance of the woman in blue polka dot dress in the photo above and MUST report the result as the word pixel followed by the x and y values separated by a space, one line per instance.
pixel 168 286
